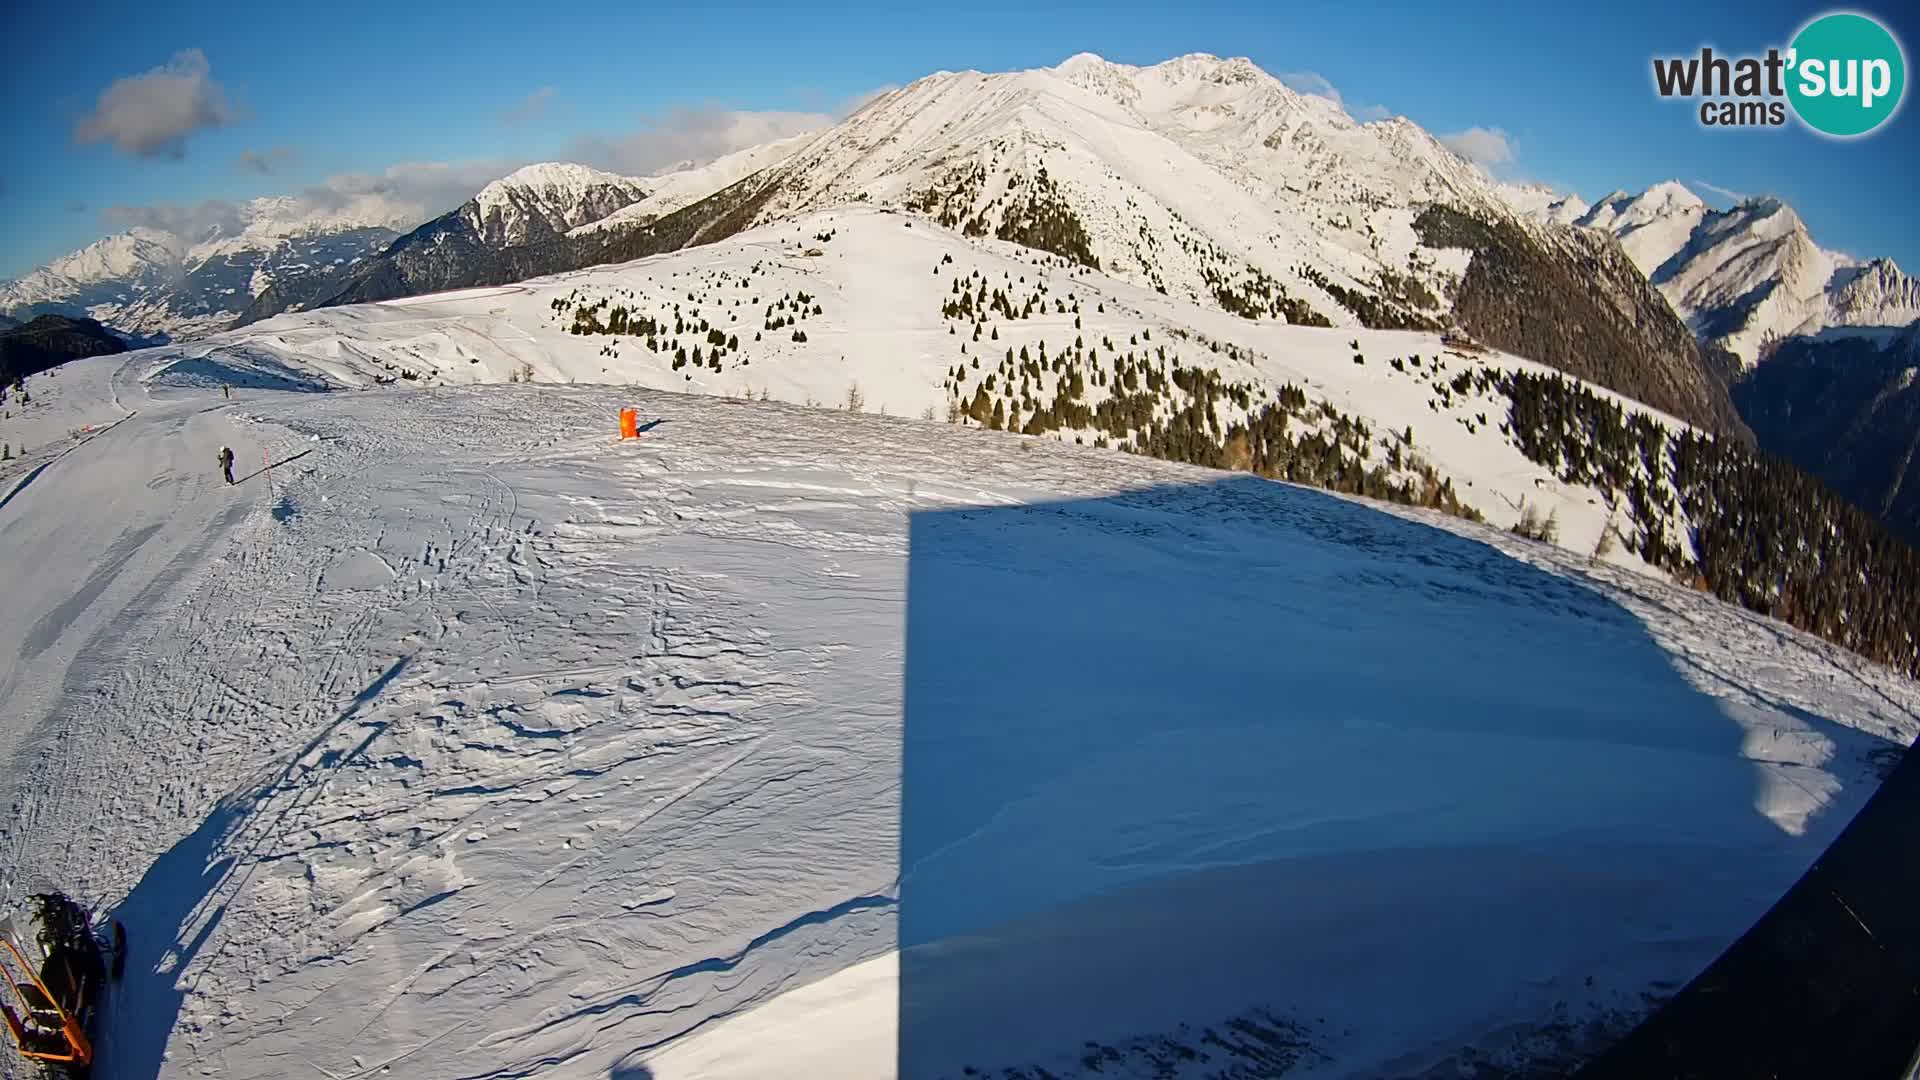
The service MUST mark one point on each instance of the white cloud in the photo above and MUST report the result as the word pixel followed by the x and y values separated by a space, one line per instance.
pixel 267 162
pixel 1317 85
pixel 1309 82
pixel 1483 146
pixel 1725 193
pixel 690 136
pixel 399 197
pixel 151 114
pixel 406 195
pixel 193 221
pixel 531 108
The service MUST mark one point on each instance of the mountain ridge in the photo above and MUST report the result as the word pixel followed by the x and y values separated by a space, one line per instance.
pixel 152 283
pixel 1750 277
pixel 47 341
pixel 1203 178
pixel 1200 176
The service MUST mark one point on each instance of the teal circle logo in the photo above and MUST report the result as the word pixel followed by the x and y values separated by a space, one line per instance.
pixel 1847 74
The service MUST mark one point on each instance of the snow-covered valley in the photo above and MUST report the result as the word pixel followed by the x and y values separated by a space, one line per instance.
pixel 471 741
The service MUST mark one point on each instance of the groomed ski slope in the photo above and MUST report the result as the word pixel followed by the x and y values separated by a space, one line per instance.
pixel 880 280
pixel 482 745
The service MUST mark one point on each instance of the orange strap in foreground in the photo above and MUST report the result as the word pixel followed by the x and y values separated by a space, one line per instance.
pixel 77 1051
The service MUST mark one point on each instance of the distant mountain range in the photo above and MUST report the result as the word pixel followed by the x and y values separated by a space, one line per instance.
pixel 150 284
pixel 1203 178
pixel 534 206
pixel 1749 277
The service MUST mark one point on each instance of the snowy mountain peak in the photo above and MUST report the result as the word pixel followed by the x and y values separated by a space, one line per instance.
pixel 1671 195
pixel 548 199
pixel 149 282
pixel 1620 212
pixel 550 176
pixel 1083 62
pixel 1210 68
pixel 137 250
pixel 1542 203
pixel 1750 275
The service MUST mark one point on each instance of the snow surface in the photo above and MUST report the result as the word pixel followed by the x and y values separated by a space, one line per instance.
pixel 880 283
pixel 473 742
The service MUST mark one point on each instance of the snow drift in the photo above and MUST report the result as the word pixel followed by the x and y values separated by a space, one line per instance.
pixel 468 741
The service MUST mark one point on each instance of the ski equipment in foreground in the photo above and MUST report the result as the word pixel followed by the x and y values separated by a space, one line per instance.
pixel 56 965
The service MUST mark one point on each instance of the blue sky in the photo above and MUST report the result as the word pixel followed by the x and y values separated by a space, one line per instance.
pixel 433 99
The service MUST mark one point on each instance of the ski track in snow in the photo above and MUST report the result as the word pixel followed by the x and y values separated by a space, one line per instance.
pixel 483 745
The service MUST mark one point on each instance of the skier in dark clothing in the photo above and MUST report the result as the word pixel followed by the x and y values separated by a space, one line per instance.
pixel 226 463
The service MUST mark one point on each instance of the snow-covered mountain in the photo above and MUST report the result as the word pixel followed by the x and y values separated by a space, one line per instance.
pixel 920 320
pixel 1543 203
pixel 540 202
pixel 1201 178
pixel 105 276
pixel 690 182
pixel 1651 226
pixel 153 284
pixel 533 208
pixel 1751 276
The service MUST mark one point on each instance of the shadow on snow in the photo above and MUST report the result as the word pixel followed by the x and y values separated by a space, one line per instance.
pixel 288 460
pixel 180 902
pixel 1248 751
